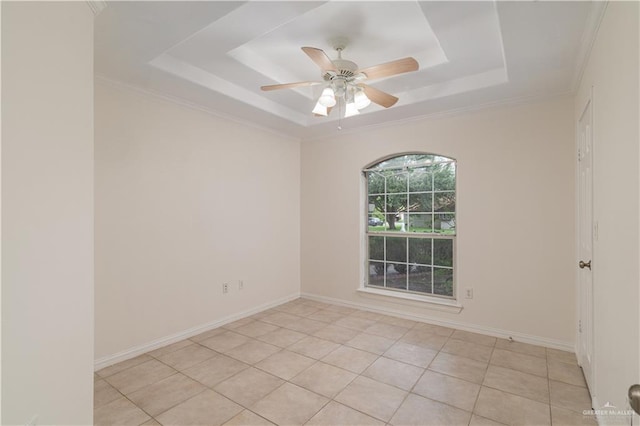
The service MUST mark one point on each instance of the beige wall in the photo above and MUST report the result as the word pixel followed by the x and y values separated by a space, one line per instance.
pixel 613 74
pixel 515 246
pixel 47 213
pixel 184 202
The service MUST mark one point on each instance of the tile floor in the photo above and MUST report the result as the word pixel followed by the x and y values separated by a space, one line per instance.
pixel 306 362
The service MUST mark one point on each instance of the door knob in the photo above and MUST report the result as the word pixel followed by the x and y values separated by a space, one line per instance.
pixel 582 264
pixel 634 398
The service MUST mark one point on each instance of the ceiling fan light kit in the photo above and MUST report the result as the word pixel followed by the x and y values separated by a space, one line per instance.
pixel 344 82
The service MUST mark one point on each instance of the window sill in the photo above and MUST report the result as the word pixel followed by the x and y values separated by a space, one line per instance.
pixel 413 299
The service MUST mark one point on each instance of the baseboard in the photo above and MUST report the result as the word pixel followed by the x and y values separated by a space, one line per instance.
pixel 489 331
pixel 167 340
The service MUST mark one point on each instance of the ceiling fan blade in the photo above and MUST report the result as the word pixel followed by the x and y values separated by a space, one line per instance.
pixel 320 58
pixel 391 68
pixel 289 85
pixel 378 96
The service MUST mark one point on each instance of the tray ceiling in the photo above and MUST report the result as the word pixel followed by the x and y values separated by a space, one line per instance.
pixel 216 55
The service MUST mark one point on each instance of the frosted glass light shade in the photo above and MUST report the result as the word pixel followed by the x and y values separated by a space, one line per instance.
pixel 361 100
pixel 320 109
pixel 327 99
pixel 351 110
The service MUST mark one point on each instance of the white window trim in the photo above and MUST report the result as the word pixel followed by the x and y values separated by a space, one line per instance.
pixel 443 304
pixel 439 304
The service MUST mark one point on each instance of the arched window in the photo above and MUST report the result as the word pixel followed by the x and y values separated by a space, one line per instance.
pixel 411 224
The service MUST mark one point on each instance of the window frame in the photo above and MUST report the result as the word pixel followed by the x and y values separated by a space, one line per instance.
pixel 406 293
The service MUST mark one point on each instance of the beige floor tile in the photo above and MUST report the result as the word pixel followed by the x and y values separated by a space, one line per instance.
pixel 116 368
pixel 134 378
pixel 480 339
pixel 103 393
pixel 563 417
pixel 419 411
pixel 206 408
pixel 468 350
pixel 306 325
pixel 261 314
pixel 460 367
pixel 336 333
pixel 334 414
pixel 372 397
pixel 160 396
pixel 238 323
pixel 289 405
pixel 326 315
pixel 563 356
pixel 282 337
pixel 151 422
pixel 434 329
pixel 119 412
pixel 394 373
pixel 285 364
pixel 565 372
pixel 281 319
pixel 344 310
pixel 355 323
pixel 187 356
pixel 170 348
pixel 389 331
pixel 440 387
pixel 214 370
pixel 517 382
pixel 350 359
pixel 208 334
pixel 523 348
pixel 248 418
pixel 374 316
pixel 482 421
pixel 411 354
pixel 574 398
pixel 316 303
pixel 511 409
pixel 521 362
pixel 225 341
pixel 400 322
pixel 424 338
pixel 313 347
pixel 248 386
pixel 370 343
pixel 302 310
pixel 256 328
pixel 324 379
pixel 253 351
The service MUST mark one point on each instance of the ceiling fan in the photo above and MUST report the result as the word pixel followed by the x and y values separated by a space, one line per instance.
pixel 344 82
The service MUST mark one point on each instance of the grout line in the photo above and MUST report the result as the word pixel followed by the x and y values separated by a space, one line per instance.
pixel 376 320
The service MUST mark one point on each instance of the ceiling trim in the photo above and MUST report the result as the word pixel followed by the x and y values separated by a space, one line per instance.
pixel 96 6
pixel 587 40
pixel 523 100
pixel 117 84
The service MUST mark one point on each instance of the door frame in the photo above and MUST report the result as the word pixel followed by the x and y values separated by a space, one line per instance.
pixel 586 103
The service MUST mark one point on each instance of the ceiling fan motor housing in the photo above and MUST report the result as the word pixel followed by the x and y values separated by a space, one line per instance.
pixel 346 69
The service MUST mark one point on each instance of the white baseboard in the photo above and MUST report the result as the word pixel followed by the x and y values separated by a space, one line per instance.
pixel 489 331
pixel 167 340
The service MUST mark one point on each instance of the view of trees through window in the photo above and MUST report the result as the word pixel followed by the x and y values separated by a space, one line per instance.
pixel 411 224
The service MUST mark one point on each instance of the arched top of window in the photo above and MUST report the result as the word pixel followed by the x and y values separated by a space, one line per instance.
pixel 408 161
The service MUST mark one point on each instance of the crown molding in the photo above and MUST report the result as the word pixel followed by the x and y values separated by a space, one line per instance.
pixel 96 6
pixel 588 39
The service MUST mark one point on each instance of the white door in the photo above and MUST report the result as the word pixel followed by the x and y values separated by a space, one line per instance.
pixel 585 245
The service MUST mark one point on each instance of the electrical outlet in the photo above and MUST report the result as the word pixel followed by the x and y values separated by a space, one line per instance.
pixel 225 288
pixel 468 293
pixel 240 284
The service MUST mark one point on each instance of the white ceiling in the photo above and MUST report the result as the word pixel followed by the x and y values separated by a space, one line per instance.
pixel 216 55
